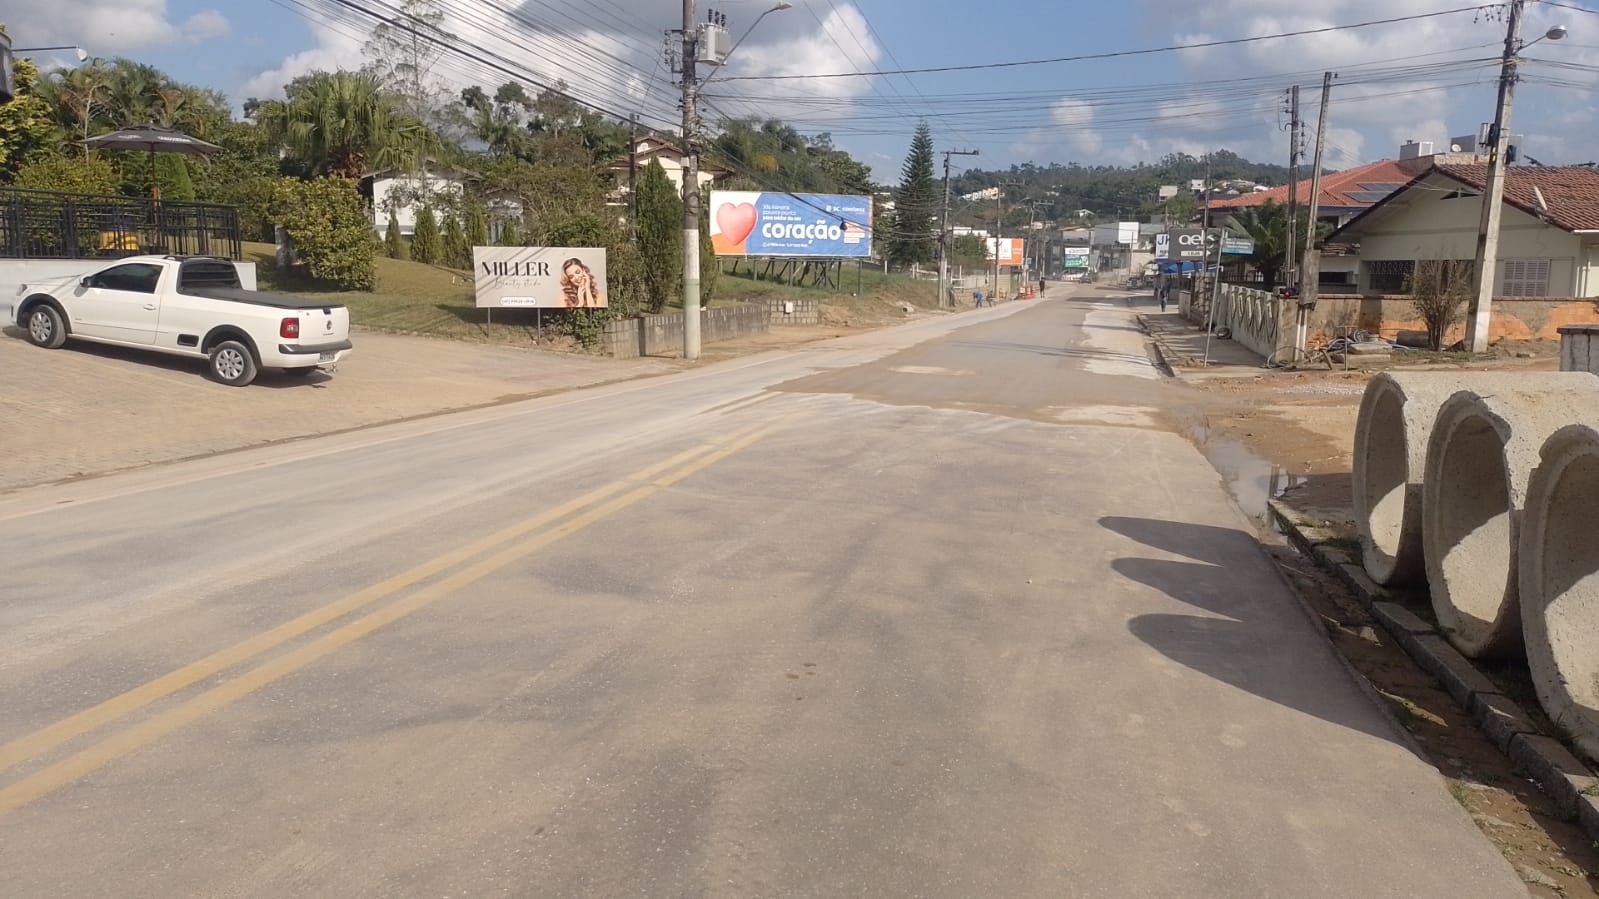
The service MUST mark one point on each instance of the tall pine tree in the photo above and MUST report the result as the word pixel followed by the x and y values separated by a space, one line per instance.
pixel 453 249
pixel 393 242
pixel 660 235
pixel 425 239
pixel 915 237
pixel 477 232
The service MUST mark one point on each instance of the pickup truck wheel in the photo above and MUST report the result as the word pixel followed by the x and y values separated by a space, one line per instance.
pixel 45 327
pixel 232 363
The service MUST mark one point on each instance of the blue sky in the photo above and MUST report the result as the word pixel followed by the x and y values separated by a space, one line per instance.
pixel 1120 111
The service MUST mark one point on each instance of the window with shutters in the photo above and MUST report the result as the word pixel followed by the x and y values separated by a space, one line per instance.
pixel 1526 278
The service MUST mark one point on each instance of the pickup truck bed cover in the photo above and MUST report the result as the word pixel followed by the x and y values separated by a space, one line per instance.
pixel 257 298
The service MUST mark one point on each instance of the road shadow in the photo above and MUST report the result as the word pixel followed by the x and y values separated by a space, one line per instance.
pixel 269 377
pixel 1254 636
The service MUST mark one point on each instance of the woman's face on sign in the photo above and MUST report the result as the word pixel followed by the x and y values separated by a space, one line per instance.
pixel 577 275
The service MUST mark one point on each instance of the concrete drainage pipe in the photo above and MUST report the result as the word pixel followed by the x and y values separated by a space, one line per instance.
pixel 1396 417
pixel 1559 582
pixel 1482 451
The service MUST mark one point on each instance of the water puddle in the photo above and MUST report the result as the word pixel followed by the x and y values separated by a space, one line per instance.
pixel 1251 480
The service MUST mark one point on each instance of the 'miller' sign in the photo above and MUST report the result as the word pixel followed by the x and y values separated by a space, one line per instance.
pixel 539 277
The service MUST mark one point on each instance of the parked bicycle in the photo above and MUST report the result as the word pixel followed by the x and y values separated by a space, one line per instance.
pixel 1319 352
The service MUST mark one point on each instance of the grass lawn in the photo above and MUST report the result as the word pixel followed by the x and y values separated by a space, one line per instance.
pixel 413 298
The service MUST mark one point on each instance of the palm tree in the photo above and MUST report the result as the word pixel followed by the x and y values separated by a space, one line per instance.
pixel 1267 226
pixel 342 123
pixel 134 94
pixel 78 98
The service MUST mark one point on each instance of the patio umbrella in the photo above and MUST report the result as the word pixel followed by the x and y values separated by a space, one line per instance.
pixel 152 139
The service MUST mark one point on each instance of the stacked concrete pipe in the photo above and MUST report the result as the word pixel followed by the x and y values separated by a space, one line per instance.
pixel 1482 451
pixel 1396 417
pixel 1559 582
pixel 1396 420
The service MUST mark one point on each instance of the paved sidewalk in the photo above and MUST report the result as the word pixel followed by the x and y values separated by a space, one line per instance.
pixel 89 409
pixel 1185 349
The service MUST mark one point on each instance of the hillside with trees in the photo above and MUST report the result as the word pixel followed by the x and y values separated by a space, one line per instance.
pixel 1109 192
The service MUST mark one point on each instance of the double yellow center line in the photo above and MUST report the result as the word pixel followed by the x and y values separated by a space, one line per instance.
pixel 491 553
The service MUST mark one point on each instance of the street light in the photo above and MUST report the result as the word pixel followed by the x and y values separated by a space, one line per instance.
pixel 1557 33
pixel 82 54
pixel 1480 312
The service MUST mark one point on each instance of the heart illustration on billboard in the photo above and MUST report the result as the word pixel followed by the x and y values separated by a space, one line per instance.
pixel 736 220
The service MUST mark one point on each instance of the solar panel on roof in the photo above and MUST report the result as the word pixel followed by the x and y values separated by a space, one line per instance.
pixel 1368 196
pixel 1389 186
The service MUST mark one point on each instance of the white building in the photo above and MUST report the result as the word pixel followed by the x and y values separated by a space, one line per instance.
pixel 407 194
pixel 657 149
pixel 1548 242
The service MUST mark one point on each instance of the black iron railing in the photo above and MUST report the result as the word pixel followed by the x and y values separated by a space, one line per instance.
pixel 38 224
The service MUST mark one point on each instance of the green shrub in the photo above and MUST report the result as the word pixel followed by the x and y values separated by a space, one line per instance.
pixel 72 174
pixel 456 254
pixel 586 326
pixel 709 268
pixel 425 238
pixel 510 234
pixel 660 236
pixel 477 233
pixel 393 242
pixel 327 220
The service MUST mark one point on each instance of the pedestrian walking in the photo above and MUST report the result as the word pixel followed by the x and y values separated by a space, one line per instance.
pixel 977 295
pixel 1040 287
pixel 1165 291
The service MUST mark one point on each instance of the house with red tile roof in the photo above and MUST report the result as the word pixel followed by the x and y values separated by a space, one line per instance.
pixel 1548 240
pixel 1343 194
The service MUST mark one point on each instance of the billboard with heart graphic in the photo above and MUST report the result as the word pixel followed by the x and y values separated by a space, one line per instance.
pixel 747 223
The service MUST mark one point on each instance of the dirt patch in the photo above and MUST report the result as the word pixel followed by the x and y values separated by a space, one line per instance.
pixel 1554 856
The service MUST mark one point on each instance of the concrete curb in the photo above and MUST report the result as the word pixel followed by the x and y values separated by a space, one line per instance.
pixel 1557 772
pixel 1170 359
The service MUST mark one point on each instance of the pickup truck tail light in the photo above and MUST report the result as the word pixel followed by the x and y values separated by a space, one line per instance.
pixel 289 327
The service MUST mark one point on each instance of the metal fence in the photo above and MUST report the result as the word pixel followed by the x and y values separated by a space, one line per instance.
pixel 37 224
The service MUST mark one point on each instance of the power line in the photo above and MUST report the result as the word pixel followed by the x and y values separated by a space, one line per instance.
pixel 1116 54
pixel 487 59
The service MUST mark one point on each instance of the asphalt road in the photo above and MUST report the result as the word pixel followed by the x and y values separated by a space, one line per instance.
pixel 945 610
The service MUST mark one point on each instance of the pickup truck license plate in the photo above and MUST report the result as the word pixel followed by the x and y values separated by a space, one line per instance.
pixel 327 357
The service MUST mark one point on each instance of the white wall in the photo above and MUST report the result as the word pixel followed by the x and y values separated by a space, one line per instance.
pixel 1430 225
pixel 674 171
pixel 405 212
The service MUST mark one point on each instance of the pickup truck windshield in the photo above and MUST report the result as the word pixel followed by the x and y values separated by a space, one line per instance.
pixel 204 274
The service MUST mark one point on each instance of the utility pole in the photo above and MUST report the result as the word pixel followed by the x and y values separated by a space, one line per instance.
pixel 1310 271
pixel 999 222
pixel 945 241
pixel 632 174
pixel 1480 313
pixel 999 225
pixel 691 191
pixel 1293 171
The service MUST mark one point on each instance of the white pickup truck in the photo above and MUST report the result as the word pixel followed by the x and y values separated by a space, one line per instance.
pixel 186 306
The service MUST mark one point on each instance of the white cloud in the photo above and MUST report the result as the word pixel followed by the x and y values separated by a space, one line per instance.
pixel 1370 117
pixel 621 71
pixel 841 43
pixel 333 50
pixel 205 25
pixel 106 27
